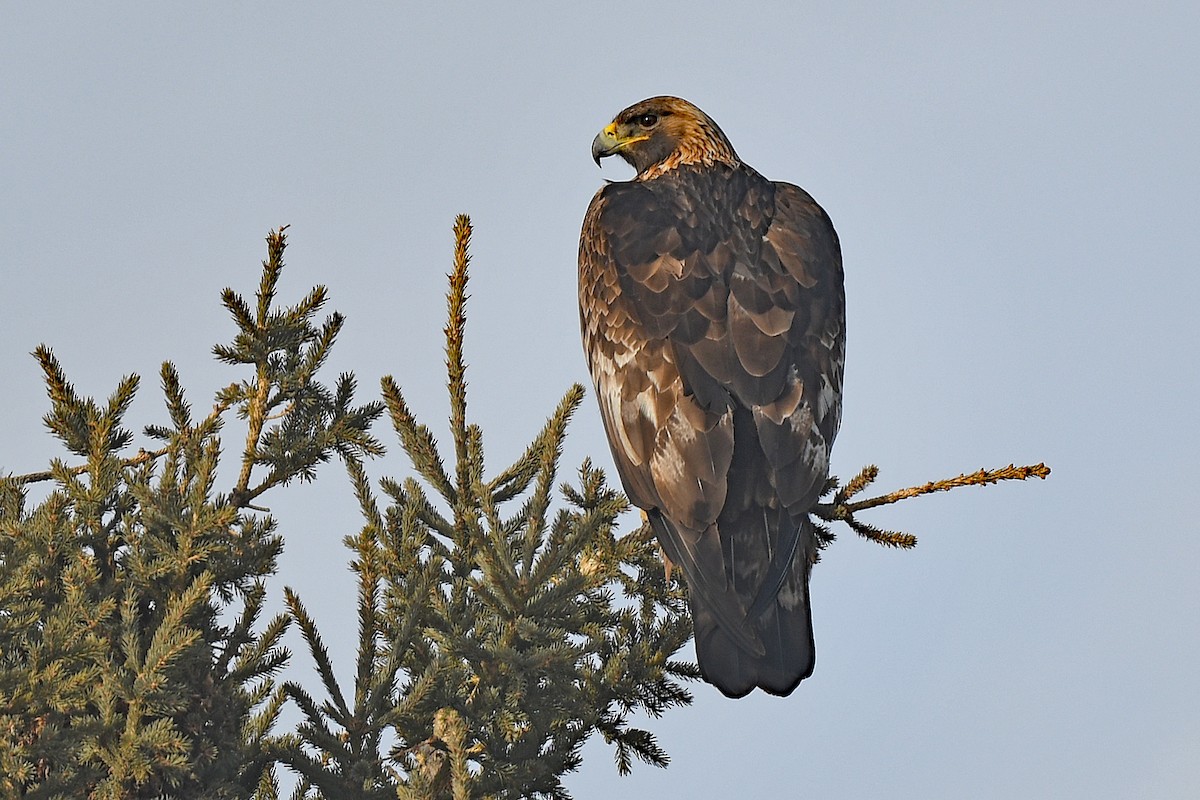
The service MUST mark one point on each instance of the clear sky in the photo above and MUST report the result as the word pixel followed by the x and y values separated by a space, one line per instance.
pixel 1015 186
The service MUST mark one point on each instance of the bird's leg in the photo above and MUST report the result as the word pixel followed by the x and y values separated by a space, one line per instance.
pixel 667 565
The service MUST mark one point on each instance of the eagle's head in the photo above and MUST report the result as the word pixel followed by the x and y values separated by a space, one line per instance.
pixel 661 133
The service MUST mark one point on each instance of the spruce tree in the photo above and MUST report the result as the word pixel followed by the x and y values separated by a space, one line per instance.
pixel 133 658
pixel 496 634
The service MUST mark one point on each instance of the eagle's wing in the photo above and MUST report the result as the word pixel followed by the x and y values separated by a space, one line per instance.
pixel 713 317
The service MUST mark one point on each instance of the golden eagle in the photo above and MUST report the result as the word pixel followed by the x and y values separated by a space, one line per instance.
pixel 713 320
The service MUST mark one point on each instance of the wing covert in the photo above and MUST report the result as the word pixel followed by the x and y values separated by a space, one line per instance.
pixel 712 310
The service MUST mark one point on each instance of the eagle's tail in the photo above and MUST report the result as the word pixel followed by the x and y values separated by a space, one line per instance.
pixel 699 556
pixel 782 622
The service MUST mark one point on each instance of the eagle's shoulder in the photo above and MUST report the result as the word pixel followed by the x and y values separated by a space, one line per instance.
pixel 802 236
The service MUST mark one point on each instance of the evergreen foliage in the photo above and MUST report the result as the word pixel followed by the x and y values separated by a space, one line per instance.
pixel 495 635
pixel 133 658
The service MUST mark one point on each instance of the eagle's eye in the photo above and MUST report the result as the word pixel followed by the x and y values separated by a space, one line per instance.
pixel 647 120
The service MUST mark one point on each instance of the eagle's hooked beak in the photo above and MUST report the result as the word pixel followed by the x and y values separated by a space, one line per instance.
pixel 606 143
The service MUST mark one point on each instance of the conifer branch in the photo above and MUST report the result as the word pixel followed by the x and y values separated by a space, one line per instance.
pixel 495 634
pixel 177 408
pixel 319 652
pixel 130 670
pixel 256 409
pixel 416 439
pixel 456 368
pixel 842 510
pixel 293 421
pixel 142 457
pixel 448 726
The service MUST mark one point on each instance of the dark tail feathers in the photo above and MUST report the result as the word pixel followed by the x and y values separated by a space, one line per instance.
pixel 784 627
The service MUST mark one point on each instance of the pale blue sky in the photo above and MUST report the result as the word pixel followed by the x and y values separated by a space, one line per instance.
pixel 1015 186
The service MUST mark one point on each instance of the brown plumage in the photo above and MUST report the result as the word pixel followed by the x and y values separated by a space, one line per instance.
pixel 713 320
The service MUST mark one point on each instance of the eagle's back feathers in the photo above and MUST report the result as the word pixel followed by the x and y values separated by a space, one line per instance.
pixel 713 312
